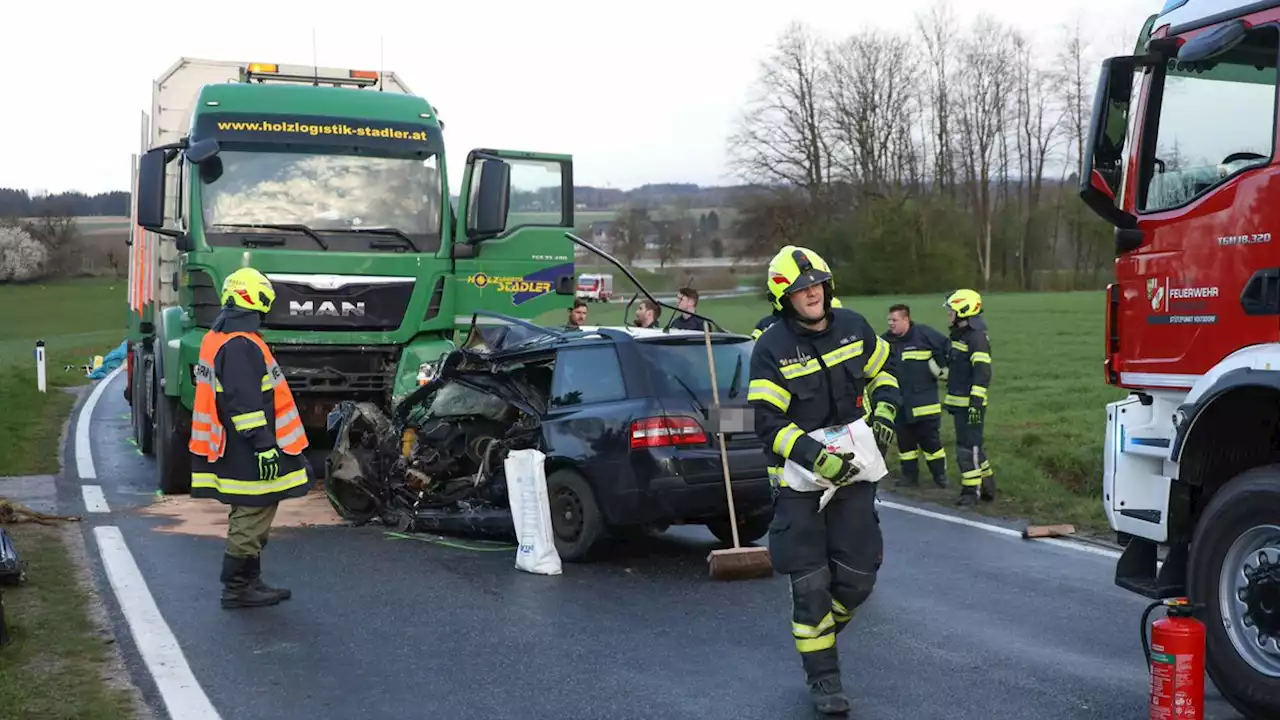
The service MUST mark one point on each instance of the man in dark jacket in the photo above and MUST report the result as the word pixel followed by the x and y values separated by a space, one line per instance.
pixel 247 436
pixel 809 371
pixel 967 384
pixel 920 353
pixel 687 301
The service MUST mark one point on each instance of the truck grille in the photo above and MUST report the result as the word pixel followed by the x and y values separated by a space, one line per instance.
pixel 338 302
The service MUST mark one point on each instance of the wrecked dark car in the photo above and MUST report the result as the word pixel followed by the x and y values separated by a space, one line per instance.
pixel 622 415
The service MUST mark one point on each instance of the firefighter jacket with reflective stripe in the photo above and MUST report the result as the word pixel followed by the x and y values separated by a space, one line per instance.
pixel 763 325
pixel 243 406
pixel 970 373
pixel 912 353
pixel 803 380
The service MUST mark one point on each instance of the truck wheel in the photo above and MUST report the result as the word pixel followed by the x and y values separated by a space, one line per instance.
pixel 173 460
pixel 576 522
pixel 1234 570
pixel 141 412
pixel 750 528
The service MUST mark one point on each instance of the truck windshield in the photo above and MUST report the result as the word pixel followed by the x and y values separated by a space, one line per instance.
pixel 324 192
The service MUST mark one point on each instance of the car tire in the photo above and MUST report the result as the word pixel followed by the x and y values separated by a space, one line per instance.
pixel 750 528
pixel 1241 508
pixel 576 522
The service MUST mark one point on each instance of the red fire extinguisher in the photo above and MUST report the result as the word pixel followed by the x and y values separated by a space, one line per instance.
pixel 1175 658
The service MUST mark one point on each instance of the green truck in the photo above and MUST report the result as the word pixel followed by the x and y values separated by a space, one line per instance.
pixel 332 182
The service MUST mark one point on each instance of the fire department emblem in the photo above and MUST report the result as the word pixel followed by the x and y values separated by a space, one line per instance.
pixel 1155 293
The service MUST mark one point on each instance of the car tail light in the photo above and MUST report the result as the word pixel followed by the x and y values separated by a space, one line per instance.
pixel 666 431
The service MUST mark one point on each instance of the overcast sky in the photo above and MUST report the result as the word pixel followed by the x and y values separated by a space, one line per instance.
pixel 637 92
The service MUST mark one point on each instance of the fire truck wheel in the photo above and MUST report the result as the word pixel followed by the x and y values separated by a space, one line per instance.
pixel 1234 570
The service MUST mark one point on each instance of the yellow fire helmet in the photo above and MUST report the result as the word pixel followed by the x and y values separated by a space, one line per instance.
pixel 795 268
pixel 966 303
pixel 248 289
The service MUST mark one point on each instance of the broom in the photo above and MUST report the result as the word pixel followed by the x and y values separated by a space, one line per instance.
pixel 736 563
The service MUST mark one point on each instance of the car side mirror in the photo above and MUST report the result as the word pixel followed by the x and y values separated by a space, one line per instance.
pixel 491 199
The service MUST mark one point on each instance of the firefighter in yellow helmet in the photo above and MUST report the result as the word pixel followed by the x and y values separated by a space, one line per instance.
pixel 246 436
pixel 808 373
pixel 772 317
pixel 966 399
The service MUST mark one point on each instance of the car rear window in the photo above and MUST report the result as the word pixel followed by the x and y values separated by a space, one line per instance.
pixel 687 360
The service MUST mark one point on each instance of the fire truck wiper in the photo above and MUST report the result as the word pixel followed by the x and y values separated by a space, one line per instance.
pixel 296 227
pixel 386 231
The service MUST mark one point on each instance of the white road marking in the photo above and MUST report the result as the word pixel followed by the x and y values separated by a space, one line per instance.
pixel 182 694
pixel 1069 544
pixel 94 500
pixel 84 453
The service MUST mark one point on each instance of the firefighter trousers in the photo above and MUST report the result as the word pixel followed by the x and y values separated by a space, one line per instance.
pixel 832 558
pixel 247 529
pixel 971 456
pixel 921 436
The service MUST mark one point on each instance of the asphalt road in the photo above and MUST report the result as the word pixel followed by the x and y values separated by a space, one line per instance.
pixel 964 623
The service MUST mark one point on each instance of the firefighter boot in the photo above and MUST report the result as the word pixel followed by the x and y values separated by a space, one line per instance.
pixel 255 576
pixel 828 697
pixel 822 672
pixel 237 588
pixel 255 580
pixel 968 496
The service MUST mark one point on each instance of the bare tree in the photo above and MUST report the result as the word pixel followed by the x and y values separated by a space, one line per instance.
pixel 937 30
pixel 872 76
pixel 784 135
pixel 984 71
pixel 1037 134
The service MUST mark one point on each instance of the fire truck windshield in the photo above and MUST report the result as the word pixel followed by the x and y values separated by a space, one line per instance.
pixel 1213 122
pixel 324 192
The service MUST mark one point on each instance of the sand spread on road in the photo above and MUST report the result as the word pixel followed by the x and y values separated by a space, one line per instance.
pixel 209 517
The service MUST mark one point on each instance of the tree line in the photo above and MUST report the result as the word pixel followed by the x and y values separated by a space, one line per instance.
pixel 16 203
pixel 926 160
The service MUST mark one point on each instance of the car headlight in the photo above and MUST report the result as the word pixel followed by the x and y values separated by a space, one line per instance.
pixel 426 373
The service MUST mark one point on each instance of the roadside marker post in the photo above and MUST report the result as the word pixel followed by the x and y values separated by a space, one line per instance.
pixel 40 374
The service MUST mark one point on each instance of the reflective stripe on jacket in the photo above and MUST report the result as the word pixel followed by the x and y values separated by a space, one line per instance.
pixel 208 436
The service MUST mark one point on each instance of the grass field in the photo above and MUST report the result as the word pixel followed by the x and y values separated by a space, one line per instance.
pixel 1045 424
pixel 56 665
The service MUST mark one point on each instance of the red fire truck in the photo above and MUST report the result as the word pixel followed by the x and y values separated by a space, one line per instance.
pixel 1182 161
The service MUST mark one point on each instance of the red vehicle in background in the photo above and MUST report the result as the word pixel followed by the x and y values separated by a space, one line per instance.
pixel 1182 161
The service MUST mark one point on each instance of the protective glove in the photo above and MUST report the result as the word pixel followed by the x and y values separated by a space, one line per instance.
pixel 882 425
pixel 268 464
pixel 975 415
pixel 836 467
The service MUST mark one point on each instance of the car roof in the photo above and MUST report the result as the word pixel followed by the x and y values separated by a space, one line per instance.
pixel 529 339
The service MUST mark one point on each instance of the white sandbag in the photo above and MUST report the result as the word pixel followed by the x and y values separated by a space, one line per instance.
pixel 531 512
pixel 856 437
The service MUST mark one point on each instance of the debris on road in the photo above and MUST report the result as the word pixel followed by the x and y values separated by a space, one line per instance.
pixel 209 517
pixel 1047 531
pixel 12 511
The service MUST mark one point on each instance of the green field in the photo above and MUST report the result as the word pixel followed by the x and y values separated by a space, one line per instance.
pixel 55 666
pixel 1046 420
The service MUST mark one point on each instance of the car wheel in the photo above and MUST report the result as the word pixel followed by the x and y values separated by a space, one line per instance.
pixel 576 522
pixel 1234 570
pixel 750 528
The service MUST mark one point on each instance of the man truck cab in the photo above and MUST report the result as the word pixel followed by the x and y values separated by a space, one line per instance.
pixel 1181 159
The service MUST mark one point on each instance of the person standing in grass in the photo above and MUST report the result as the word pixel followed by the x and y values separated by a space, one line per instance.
pixel 968 380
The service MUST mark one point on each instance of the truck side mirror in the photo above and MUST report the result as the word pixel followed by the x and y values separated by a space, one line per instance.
pixel 1105 143
pixel 203 150
pixel 490 200
pixel 150 203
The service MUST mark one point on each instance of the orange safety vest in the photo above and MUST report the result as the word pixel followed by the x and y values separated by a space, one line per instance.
pixel 208 436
